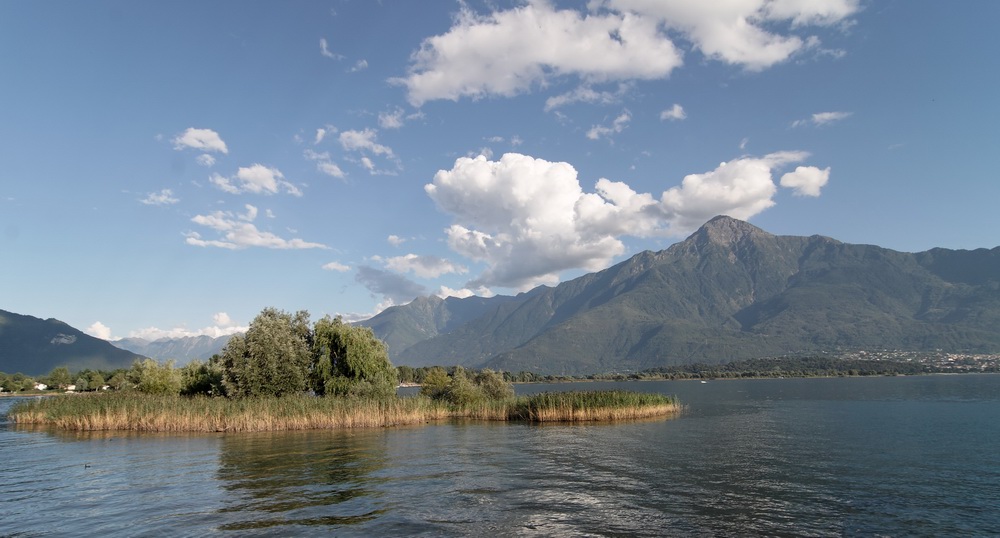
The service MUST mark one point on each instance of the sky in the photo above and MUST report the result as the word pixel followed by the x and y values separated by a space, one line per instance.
pixel 172 168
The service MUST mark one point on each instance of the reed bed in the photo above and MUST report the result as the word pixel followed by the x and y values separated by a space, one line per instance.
pixel 149 413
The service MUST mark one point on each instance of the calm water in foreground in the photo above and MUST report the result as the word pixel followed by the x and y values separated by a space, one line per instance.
pixel 798 457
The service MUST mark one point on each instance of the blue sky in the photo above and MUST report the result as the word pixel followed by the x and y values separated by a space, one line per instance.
pixel 171 168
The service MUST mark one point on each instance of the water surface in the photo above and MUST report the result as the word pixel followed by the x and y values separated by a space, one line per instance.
pixel 795 457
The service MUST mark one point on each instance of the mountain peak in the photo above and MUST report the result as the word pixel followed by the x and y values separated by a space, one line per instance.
pixel 726 231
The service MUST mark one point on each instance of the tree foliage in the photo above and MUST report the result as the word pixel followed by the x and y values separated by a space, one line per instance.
pixel 151 377
pixel 351 361
pixel 273 357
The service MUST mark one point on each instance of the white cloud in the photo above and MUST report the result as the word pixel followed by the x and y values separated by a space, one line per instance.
pixel 336 266
pixel 360 65
pixel 99 330
pixel 257 179
pixel 391 120
pixel 222 319
pixel 586 94
pixel 508 52
pixel 324 49
pixel 205 160
pixel 395 240
pixel 528 219
pixel 363 141
pixel 164 197
pixel 742 32
pixel 238 232
pixel 423 266
pixel 512 51
pixel 322 133
pixel 618 125
pixel 324 164
pixel 821 119
pixel 806 180
pixel 224 326
pixel 675 112
pixel 201 139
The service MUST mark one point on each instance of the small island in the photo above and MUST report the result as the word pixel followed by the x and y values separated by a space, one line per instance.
pixel 285 374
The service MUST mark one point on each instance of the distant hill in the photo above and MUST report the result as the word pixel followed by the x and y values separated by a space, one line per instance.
pixel 182 349
pixel 729 291
pixel 35 346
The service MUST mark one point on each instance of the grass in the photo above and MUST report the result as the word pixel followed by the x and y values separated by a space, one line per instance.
pixel 142 412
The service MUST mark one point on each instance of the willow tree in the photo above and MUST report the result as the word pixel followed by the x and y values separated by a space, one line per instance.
pixel 273 358
pixel 350 361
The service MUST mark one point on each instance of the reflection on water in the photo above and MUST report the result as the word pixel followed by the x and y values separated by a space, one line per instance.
pixel 811 457
pixel 301 478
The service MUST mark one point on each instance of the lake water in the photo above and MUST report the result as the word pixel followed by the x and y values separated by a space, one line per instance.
pixel 890 456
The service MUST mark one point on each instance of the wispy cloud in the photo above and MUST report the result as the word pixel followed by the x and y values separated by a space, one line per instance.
pixel 821 119
pixel 164 197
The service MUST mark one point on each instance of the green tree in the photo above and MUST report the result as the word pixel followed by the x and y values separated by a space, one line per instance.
pixel 435 383
pixel 273 357
pixel 151 377
pixel 59 377
pixel 95 380
pixel 350 361
pixel 81 384
pixel 202 378
pixel 493 385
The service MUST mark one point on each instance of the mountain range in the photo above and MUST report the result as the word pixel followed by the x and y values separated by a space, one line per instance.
pixel 34 346
pixel 180 349
pixel 729 291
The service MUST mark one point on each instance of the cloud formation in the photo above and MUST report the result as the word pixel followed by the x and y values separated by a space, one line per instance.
pixel 164 197
pixel 821 119
pixel 238 232
pixel 393 287
pixel 99 330
pixel 528 219
pixel 806 180
pixel 606 131
pixel 673 113
pixel 423 266
pixel 324 163
pixel 508 52
pixel 256 179
pixel 336 266
pixel 200 139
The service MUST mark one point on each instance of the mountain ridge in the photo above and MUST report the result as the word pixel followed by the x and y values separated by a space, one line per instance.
pixel 730 291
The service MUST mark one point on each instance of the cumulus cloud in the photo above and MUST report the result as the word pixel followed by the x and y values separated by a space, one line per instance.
pixel 205 160
pixel 423 266
pixel 673 113
pixel 239 232
pixel 618 125
pixel 528 219
pixel 393 287
pixel 224 326
pixel 164 197
pixel 395 240
pixel 336 266
pixel 743 32
pixel 444 292
pixel 508 52
pixel 200 139
pixel 821 119
pixel 324 163
pixel 806 180
pixel 99 330
pixel 257 179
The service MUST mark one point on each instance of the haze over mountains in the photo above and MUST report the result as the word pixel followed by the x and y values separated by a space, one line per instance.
pixel 729 291
pixel 181 349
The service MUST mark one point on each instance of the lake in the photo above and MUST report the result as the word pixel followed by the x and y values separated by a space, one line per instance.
pixel 885 456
